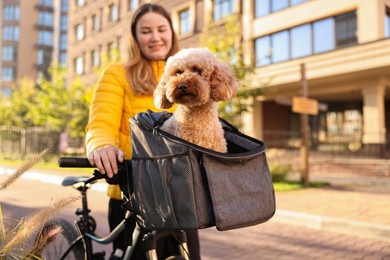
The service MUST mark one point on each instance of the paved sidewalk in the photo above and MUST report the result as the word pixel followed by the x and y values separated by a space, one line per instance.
pixel 358 205
pixel 351 204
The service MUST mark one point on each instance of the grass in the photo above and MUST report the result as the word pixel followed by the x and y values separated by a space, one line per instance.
pixel 296 185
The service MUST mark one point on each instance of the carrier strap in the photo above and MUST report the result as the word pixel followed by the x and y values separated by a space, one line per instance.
pixel 153 120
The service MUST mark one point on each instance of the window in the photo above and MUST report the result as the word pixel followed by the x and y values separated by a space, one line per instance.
pixel 10 33
pixel 79 32
pixel 133 4
pixel 114 12
pixel 387 24
pixel 8 74
pixel 112 49
pixel 80 2
pixel 11 13
pixel 95 58
pixel 40 58
pixel 6 92
pixel 64 22
pixel 263 51
pixel 45 19
pixel 278 5
pixel 346 26
pixel 185 22
pixel 301 41
pixel 8 53
pixel 95 22
pixel 45 38
pixel 344 122
pixel 264 7
pixel 295 2
pixel 63 41
pixel 307 39
pixel 280 44
pixel 43 57
pixel 323 35
pixel 46 2
pixel 64 6
pixel 62 58
pixel 222 8
pixel 79 65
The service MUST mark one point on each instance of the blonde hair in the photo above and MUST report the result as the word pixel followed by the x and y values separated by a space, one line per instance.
pixel 139 71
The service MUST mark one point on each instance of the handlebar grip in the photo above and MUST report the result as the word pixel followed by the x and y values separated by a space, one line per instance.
pixel 74 162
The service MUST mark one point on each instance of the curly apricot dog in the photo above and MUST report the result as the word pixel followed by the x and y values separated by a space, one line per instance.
pixel 195 80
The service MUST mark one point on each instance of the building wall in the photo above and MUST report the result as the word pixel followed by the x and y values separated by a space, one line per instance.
pixel 119 31
pixel 358 73
pixel 27 51
pixel 27 46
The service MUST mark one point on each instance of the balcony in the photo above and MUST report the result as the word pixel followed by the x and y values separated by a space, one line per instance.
pixel 42 7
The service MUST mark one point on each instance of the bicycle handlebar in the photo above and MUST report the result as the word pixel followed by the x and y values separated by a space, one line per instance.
pixel 121 178
pixel 72 162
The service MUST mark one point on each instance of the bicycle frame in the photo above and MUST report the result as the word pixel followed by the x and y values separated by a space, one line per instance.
pixel 87 228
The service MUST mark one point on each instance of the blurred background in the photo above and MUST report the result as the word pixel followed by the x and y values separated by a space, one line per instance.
pixel 333 53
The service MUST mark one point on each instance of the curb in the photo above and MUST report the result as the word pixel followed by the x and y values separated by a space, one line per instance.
pixel 333 224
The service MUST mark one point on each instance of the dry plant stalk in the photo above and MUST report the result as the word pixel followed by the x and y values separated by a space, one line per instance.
pixel 35 222
pixel 25 167
pixel 45 237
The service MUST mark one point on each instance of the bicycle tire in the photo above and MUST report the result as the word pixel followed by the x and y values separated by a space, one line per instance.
pixel 62 241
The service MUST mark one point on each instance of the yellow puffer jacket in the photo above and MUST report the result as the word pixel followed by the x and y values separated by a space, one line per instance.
pixel 113 104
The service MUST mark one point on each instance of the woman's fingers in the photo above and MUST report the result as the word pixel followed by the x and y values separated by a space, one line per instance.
pixel 105 159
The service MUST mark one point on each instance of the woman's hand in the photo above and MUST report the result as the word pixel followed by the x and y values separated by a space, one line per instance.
pixel 105 159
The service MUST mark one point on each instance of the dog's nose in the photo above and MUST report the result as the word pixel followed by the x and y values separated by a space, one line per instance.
pixel 182 88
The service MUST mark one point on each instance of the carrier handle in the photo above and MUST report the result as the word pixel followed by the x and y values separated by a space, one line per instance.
pixel 157 118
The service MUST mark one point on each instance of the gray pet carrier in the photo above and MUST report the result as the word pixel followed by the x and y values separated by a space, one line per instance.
pixel 179 185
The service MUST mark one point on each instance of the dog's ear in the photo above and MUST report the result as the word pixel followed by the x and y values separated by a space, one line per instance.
pixel 160 98
pixel 223 83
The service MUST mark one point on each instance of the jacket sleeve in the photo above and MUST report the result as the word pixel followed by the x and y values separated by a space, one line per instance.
pixel 106 109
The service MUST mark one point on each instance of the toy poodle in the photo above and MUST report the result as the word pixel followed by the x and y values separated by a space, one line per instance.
pixel 195 80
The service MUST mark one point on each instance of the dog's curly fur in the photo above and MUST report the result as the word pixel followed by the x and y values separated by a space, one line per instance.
pixel 195 80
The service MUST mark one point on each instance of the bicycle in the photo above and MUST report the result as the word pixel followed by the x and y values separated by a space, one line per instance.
pixel 73 244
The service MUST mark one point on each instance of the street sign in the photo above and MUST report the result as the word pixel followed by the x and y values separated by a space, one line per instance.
pixel 305 106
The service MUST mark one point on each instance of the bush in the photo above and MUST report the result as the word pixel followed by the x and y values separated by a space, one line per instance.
pixel 279 171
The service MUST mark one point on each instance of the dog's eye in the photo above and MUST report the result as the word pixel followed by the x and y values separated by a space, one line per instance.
pixel 178 72
pixel 197 70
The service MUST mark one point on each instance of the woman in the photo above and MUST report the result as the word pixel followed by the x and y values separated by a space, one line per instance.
pixel 121 92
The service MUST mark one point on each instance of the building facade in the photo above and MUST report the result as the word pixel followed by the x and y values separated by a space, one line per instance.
pixel 343 44
pixel 31 34
pixel 98 28
pixel 345 47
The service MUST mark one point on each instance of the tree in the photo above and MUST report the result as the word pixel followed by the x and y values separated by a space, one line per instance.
pixel 225 40
pixel 80 101
pixel 14 110
pixel 51 104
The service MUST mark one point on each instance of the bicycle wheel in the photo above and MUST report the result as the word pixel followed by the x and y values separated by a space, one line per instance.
pixel 56 247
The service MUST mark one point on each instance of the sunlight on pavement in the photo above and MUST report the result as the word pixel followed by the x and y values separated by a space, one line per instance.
pixel 48 178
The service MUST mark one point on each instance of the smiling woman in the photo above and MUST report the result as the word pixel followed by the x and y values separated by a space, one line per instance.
pixel 154 36
pixel 122 91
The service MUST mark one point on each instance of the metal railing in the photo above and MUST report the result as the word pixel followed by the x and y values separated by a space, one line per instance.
pixel 341 144
pixel 17 143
